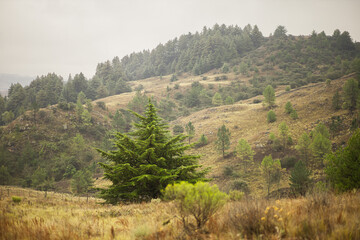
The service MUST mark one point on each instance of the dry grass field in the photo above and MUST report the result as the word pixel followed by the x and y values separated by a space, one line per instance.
pixel 63 216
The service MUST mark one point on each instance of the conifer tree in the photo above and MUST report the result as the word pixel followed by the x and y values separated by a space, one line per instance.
pixel 288 108
pixel 343 166
pixel 190 129
pixel 269 95
pixel 300 178
pixel 270 170
pixel 304 147
pixel 244 152
pixel 217 99
pixel 223 139
pixel 147 160
pixel 351 93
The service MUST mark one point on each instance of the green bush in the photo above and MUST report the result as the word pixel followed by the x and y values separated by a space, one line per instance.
pixel 241 185
pixel 294 115
pixel 288 162
pixel 271 116
pixel 288 88
pixel 201 201
pixel 16 199
pixel 101 105
pixel 177 129
pixel 236 195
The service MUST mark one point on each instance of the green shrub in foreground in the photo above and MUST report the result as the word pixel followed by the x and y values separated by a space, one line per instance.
pixel 200 200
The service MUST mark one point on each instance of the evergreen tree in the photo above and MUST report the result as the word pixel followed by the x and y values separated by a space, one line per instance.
pixel 300 178
pixel 81 182
pixel 269 95
pixel 146 161
pixel 190 130
pixel 351 93
pixel 270 169
pixel 304 147
pixel 284 134
pixel 321 144
pixel 223 139
pixel 336 101
pixel 343 166
pixel 217 99
pixel 244 152
pixel 288 108
pixel 294 115
pixel 271 116
pixel 229 100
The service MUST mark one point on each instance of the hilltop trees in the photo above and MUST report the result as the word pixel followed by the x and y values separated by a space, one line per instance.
pixel 223 139
pixel 146 161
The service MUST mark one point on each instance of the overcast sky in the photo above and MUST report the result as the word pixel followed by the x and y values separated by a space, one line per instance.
pixel 72 36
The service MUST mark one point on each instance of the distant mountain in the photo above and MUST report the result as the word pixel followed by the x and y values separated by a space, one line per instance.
pixel 7 79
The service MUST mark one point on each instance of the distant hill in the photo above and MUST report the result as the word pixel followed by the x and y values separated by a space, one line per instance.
pixel 7 79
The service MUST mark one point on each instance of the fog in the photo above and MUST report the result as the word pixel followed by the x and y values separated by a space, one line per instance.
pixel 68 36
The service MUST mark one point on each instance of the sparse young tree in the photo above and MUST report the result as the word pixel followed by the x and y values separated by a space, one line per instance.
pixel 284 134
pixel 147 160
pixel 223 139
pixel 229 100
pixel 245 152
pixel 288 108
pixel 321 144
pixel 269 169
pixel 300 178
pixel 304 147
pixel 336 101
pixel 269 95
pixel 294 115
pixel 81 182
pixel 217 99
pixel 190 130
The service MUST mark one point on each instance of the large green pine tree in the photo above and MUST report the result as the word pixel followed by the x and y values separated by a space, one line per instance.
pixel 223 139
pixel 300 178
pixel 147 160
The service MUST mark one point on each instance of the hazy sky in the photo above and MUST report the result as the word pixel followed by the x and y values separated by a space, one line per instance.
pixel 72 36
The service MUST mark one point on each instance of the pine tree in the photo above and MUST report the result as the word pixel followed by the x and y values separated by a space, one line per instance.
pixel 190 130
pixel 304 147
pixel 223 139
pixel 288 108
pixel 336 101
pixel 300 178
pixel 284 134
pixel 271 116
pixel 321 144
pixel 351 93
pixel 147 160
pixel 217 99
pixel 343 166
pixel 244 152
pixel 270 169
pixel 269 95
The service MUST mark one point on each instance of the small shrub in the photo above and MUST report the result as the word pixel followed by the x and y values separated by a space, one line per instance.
pixel 177 129
pixel 257 101
pixel 294 115
pixel 16 199
pixel 101 105
pixel 217 78
pixel 228 171
pixel 241 185
pixel 204 78
pixel 224 77
pixel 271 116
pixel 173 78
pixel 201 201
pixel 177 86
pixel 202 141
pixel 236 195
pixel 288 88
pixel 288 162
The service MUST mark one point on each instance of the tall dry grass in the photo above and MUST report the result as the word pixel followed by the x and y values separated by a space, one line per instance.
pixel 62 216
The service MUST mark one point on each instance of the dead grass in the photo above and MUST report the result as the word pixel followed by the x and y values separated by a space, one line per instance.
pixel 62 216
